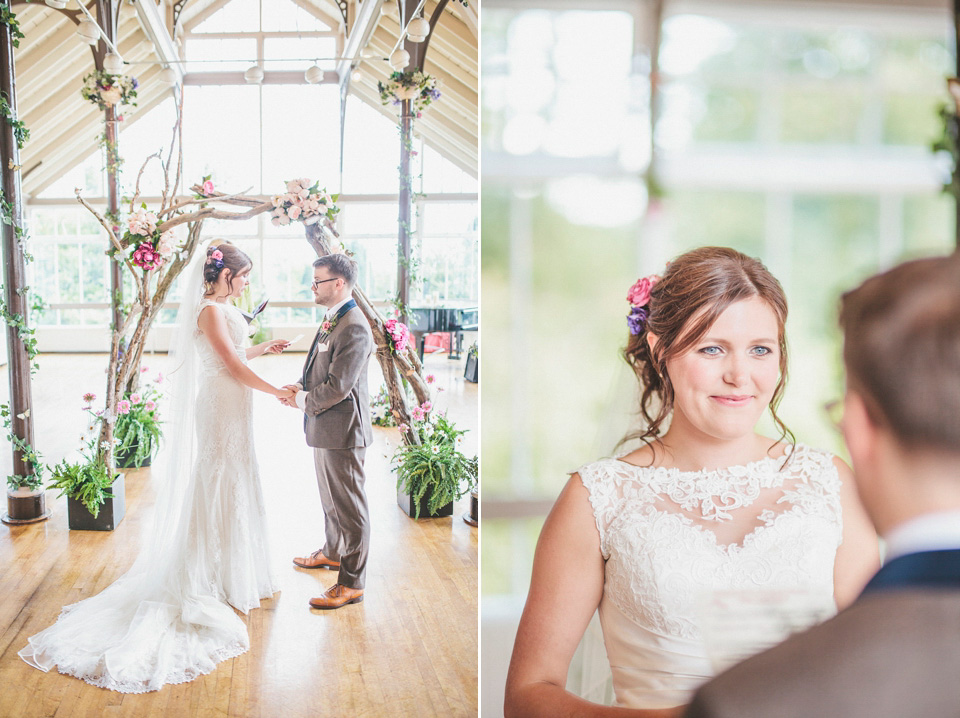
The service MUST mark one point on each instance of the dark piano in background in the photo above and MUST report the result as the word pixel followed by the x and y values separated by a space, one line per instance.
pixel 449 320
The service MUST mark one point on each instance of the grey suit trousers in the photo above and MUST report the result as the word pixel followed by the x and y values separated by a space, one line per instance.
pixel 346 518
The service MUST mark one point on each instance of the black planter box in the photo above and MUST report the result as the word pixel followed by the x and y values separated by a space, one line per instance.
pixel 471 371
pixel 125 459
pixel 410 508
pixel 111 511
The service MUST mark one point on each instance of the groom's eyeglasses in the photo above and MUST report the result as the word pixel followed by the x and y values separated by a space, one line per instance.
pixel 318 282
pixel 834 412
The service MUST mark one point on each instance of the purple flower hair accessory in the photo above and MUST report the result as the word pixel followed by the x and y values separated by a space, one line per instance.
pixel 637 319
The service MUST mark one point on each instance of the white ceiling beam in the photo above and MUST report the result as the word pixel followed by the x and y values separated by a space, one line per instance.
pixel 469 17
pixel 156 30
pixel 363 29
pixel 203 15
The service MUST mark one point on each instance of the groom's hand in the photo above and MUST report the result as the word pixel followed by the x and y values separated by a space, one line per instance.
pixel 290 400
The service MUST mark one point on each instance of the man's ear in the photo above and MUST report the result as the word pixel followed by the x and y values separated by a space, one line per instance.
pixel 859 430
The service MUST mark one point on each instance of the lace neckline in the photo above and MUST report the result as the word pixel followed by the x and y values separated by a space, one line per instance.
pixel 757 466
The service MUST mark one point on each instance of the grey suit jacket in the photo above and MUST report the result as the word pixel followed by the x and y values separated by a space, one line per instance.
pixel 892 654
pixel 337 412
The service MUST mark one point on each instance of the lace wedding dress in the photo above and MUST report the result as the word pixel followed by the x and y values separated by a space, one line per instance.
pixel 672 539
pixel 167 619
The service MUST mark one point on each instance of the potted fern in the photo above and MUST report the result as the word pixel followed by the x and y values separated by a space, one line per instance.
pixel 137 430
pixel 95 495
pixel 433 474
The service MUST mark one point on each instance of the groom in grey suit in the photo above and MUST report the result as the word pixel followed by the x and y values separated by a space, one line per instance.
pixel 896 651
pixel 333 395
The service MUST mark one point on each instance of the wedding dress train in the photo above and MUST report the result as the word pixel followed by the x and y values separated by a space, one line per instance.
pixel 167 620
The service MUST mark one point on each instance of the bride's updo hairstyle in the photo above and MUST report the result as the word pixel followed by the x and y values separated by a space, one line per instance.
pixel 693 292
pixel 223 255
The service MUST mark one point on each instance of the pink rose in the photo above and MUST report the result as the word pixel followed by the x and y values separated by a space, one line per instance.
pixel 123 407
pixel 216 254
pixel 326 326
pixel 639 294
pixel 207 188
pixel 135 398
pixel 293 186
pixel 294 212
pixel 150 405
pixel 303 194
pixel 306 183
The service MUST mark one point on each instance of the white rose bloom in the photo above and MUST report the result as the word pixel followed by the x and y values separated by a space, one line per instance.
pixel 111 96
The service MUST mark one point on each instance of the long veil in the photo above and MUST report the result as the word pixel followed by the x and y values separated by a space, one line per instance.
pixel 162 621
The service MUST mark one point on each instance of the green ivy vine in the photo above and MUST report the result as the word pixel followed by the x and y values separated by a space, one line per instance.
pixel 9 18
pixel 20 132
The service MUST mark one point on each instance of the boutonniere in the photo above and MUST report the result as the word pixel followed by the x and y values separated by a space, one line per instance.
pixel 328 326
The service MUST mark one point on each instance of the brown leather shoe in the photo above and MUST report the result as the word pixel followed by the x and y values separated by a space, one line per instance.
pixel 336 596
pixel 316 560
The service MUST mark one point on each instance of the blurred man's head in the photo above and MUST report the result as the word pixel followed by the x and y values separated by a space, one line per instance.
pixel 902 356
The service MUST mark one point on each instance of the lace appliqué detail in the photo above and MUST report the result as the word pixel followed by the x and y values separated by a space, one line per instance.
pixel 670 536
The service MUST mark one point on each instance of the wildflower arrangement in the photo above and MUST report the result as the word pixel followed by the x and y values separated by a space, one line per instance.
pixel 137 431
pixel 415 85
pixel 303 201
pixel 380 413
pixel 436 466
pixel 399 334
pixel 105 90
pixel 151 247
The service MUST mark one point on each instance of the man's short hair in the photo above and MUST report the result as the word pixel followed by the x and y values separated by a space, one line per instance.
pixel 902 350
pixel 339 265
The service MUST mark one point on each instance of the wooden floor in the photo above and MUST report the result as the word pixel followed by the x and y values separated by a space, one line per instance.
pixel 409 649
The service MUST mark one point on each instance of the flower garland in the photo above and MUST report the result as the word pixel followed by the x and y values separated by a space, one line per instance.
pixel 416 86
pixel 303 201
pixel 153 247
pixel 105 90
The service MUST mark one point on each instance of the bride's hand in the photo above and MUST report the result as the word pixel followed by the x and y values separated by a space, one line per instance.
pixel 286 393
pixel 275 346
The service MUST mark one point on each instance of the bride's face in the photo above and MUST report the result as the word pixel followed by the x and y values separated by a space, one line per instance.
pixel 723 383
pixel 237 284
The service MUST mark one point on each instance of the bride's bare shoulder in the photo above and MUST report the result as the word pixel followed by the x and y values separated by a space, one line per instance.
pixel 645 456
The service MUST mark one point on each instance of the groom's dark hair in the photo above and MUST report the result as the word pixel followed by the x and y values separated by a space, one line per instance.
pixel 902 350
pixel 339 265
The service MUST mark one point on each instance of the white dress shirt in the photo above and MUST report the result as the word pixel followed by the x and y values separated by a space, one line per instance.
pixel 301 397
pixel 929 532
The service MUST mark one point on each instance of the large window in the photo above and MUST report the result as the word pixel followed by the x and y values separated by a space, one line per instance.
pixel 252 138
pixel 795 138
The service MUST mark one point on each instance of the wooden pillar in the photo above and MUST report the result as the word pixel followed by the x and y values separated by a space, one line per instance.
pixel 107 12
pixel 956 55
pixel 14 270
pixel 112 135
pixel 405 211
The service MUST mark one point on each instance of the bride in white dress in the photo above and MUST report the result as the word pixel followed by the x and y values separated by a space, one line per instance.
pixel 706 506
pixel 169 618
